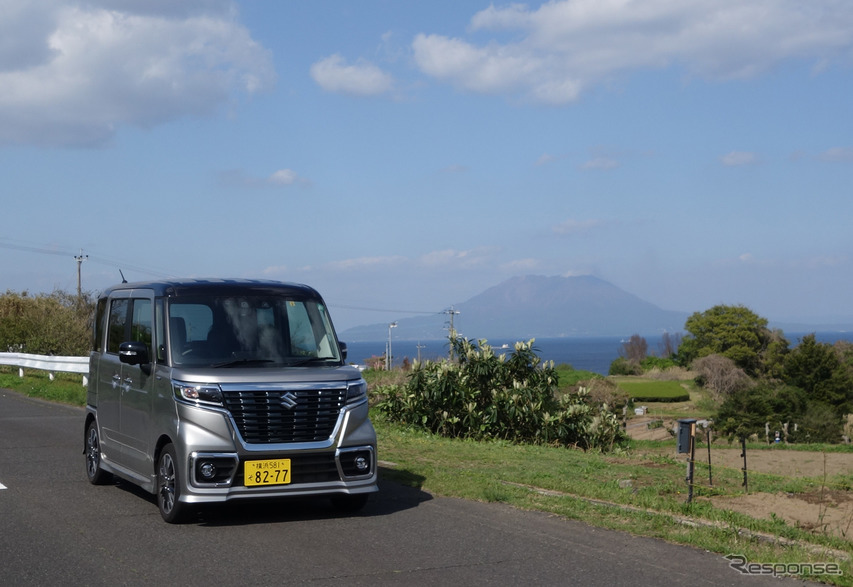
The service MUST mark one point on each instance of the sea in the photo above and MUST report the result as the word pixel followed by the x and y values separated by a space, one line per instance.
pixel 583 353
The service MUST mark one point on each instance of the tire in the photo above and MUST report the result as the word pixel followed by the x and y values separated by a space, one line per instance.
pixel 94 472
pixel 350 504
pixel 169 487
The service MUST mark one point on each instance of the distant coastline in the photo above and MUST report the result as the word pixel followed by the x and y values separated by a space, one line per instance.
pixel 594 353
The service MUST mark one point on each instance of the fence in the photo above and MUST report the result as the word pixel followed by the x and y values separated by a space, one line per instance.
pixel 47 363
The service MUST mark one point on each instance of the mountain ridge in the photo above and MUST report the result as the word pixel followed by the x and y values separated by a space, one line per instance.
pixel 537 306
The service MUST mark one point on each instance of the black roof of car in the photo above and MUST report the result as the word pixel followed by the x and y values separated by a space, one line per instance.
pixel 182 287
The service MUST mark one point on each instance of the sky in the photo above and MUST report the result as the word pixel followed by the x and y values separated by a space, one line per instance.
pixel 403 157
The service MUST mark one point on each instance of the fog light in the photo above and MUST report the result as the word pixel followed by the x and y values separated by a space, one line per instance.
pixel 208 470
pixel 361 464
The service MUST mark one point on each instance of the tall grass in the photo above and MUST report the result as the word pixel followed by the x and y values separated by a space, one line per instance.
pixel 66 388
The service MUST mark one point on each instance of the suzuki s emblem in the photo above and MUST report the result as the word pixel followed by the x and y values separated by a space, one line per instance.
pixel 288 400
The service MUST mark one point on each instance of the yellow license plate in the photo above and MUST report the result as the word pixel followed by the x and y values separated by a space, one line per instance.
pixel 270 472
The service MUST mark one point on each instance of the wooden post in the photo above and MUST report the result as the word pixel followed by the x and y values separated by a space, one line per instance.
pixel 708 440
pixel 691 463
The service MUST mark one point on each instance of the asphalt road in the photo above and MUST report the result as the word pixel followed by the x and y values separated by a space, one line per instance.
pixel 56 529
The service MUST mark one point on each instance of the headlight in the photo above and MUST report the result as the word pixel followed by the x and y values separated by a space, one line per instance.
pixel 200 394
pixel 357 391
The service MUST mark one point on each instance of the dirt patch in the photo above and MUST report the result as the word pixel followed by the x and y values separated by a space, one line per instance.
pixel 810 512
pixel 828 511
pixel 788 463
pixel 647 428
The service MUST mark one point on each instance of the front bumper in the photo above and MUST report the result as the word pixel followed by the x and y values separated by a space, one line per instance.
pixel 343 464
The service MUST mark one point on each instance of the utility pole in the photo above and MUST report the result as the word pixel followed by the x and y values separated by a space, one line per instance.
pixel 80 258
pixel 451 312
pixel 389 358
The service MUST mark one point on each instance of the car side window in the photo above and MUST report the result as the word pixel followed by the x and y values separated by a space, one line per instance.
pixel 142 324
pixel 116 329
pixel 160 325
pixel 140 327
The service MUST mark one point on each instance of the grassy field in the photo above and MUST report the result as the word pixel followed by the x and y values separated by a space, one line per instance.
pixel 650 390
pixel 65 388
pixel 640 489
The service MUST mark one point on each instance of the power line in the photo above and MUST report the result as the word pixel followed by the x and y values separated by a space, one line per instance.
pixel 94 259
pixel 385 310
pixel 33 249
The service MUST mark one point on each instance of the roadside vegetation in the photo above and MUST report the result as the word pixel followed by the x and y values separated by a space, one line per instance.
pixel 534 435
pixel 759 384
pixel 46 324
pixel 482 395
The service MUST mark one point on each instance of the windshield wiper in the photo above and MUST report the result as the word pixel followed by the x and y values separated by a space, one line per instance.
pixel 311 360
pixel 241 362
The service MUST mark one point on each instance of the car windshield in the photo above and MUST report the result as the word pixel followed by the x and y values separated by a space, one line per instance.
pixel 251 330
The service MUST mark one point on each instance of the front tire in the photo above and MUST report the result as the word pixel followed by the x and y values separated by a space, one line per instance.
pixel 169 487
pixel 94 472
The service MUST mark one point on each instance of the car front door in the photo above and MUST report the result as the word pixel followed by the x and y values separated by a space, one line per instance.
pixel 124 404
pixel 137 382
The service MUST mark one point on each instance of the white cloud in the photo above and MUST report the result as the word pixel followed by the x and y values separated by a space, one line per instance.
pixel 361 263
pixel 455 259
pixel 521 266
pixel 545 159
pixel 73 73
pixel 572 226
pixel 787 263
pixel 561 48
pixel 838 155
pixel 283 177
pixel 601 163
pixel 739 158
pixel 333 74
pixel 275 270
pixel 280 178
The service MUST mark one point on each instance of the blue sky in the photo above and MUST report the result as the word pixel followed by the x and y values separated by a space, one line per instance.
pixel 403 157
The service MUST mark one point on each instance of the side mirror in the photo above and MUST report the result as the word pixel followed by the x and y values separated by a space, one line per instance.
pixel 133 353
pixel 343 347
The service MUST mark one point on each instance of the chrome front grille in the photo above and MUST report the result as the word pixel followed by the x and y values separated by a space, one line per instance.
pixel 281 416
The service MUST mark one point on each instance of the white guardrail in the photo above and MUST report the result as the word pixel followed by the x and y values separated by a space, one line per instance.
pixel 47 363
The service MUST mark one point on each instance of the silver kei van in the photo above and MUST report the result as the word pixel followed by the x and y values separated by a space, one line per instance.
pixel 204 391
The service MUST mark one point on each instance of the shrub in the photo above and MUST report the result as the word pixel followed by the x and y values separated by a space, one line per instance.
pixel 652 362
pixel 605 391
pixel 655 391
pixel 721 376
pixel 484 395
pixel 55 324
pixel 623 366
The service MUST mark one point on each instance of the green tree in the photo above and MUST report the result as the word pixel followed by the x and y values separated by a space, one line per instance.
pixel 735 332
pixel 817 369
pixel 744 414
pixel 773 360
pixel 749 411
